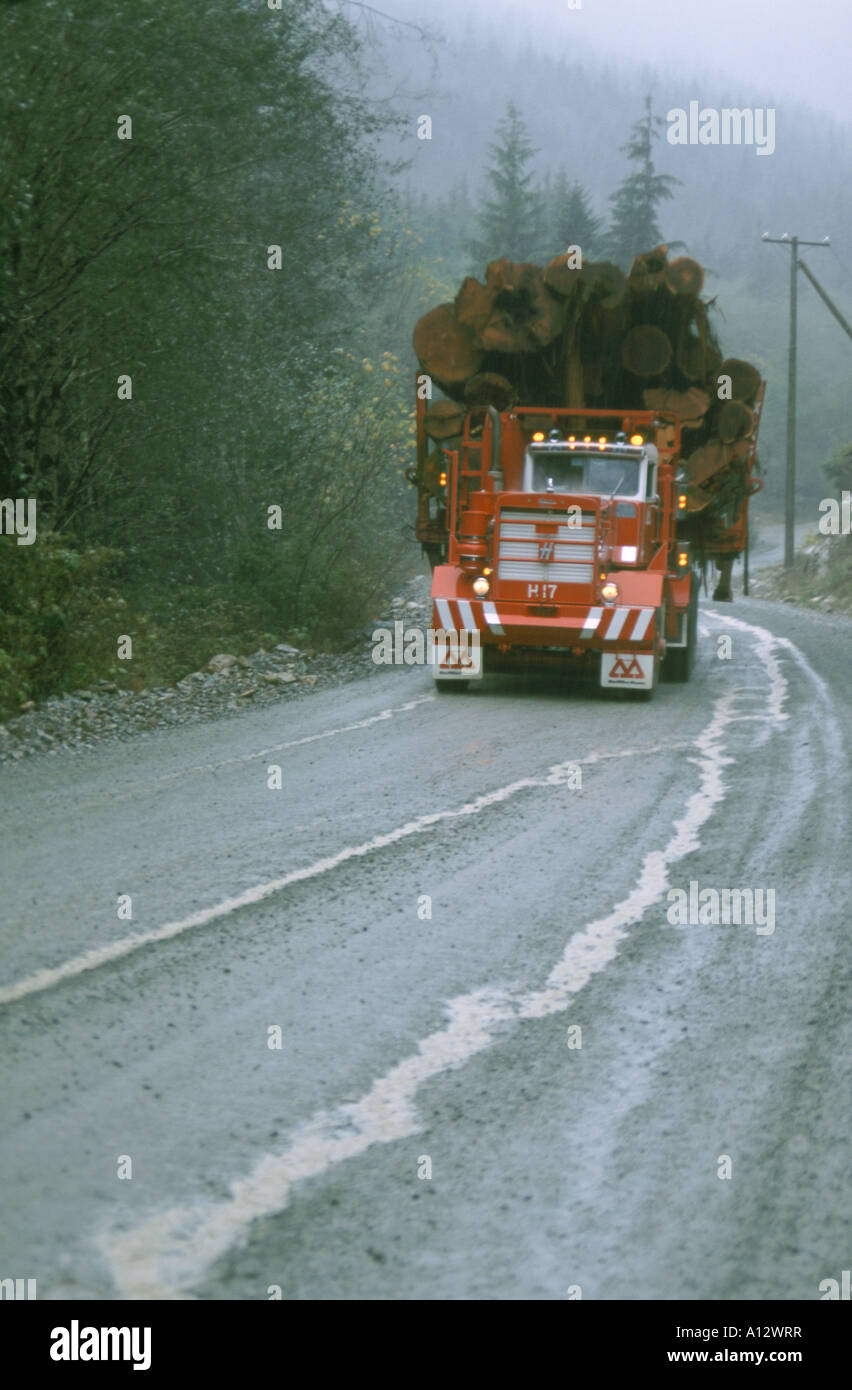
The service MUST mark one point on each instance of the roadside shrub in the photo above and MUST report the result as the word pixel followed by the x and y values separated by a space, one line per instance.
pixel 59 616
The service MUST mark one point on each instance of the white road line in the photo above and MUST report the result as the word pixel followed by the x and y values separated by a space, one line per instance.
pixel 127 788
pixel 308 738
pixel 166 1255
pixel 765 647
pixel 104 955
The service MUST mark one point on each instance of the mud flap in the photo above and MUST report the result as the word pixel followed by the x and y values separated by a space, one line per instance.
pixel 457 661
pixel 627 670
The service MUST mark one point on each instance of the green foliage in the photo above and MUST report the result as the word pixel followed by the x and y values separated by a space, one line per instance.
pixel 635 202
pixel 149 257
pixel 572 221
pixel 59 614
pixel 838 469
pixel 510 218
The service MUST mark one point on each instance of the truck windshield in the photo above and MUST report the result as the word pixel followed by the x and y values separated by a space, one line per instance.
pixel 575 472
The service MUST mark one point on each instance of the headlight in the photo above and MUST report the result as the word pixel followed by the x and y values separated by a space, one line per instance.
pixel 610 592
pixel 481 586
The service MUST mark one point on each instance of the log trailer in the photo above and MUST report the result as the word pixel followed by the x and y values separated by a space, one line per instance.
pixel 556 537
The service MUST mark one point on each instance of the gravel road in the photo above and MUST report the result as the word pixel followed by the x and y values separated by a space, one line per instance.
pixel 503 1072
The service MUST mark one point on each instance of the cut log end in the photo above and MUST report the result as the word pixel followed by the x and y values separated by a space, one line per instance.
pixel 646 351
pixel 445 348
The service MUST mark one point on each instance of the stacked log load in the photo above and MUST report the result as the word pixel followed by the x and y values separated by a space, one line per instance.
pixel 585 334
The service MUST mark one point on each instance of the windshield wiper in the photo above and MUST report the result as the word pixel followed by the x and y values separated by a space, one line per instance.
pixel 615 489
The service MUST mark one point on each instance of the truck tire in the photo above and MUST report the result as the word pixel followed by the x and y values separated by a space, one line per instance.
pixel 679 661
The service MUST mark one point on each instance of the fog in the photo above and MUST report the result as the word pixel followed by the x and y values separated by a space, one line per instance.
pixel 578 78
pixel 791 50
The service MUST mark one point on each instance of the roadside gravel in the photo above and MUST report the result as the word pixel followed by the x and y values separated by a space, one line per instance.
pixel 227 684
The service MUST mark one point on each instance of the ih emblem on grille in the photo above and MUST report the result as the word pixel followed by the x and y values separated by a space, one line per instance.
pixel 545 550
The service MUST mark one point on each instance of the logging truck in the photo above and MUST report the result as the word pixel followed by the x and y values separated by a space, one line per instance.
pixel 558 537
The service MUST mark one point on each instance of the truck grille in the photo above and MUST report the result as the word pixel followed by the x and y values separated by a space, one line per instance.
pixel 563 555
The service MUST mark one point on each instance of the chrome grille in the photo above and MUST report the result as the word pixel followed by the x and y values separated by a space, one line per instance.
pixel 571 559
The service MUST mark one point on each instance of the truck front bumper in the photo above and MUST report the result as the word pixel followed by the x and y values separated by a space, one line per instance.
pixel 618 640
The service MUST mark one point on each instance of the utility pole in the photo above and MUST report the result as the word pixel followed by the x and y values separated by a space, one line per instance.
pixel 790 482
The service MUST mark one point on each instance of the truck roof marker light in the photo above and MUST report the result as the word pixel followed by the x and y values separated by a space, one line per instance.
pixel 681 501
pixel 683 558
pixel 636 439
pixel 602 441
pixel 538 437
pixel 587 439
pixel 443 480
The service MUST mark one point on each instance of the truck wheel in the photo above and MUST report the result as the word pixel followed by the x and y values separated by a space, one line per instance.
pixel 679 661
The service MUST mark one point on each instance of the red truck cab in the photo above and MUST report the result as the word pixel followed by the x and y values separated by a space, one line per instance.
pixel 561 548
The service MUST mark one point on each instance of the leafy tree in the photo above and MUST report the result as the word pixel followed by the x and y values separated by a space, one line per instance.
pixel 634 226
pixel 510 222
pixel 148 257
pixel 839 468
pixel 572 220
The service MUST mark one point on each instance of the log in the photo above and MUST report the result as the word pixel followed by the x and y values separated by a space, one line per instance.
pixel 573 388
pixel 684 276
pixel 745 378
pixel 707 461
pixel 513 312
pixel 650 262
pixel 646 351
pixel 643 285
pixel 443 419
pixel 489 388
pixel 735 421
pixel 562 278
pixel 549 316
pixel 445 348
pixel 692 357
pixel 664 436
pixel 605 281
pixel 474 304
pixel 689 406
pixel 592 377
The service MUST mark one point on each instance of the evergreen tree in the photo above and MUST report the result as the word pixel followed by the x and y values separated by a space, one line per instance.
pixel 634 225
pixel 510 219
pixel 572 222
